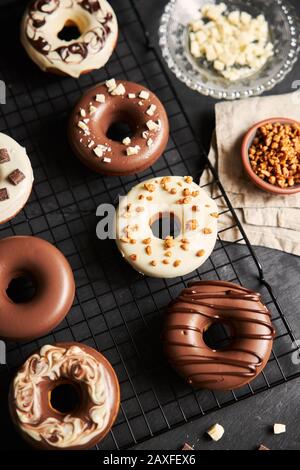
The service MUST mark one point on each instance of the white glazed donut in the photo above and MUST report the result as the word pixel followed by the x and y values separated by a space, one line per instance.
pixel 195 212
pixel 44 19
pixel 16 178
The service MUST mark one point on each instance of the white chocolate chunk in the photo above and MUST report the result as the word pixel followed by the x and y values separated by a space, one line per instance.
pixel 82 125
pixel 92 109
pixel 90 144
pixel 279 428
pixel 133 150
pixel 145 134
pixel 126 141
pixel 131 96
pixel 144 94
pixel 111 84
pixel 100 98
pixel 153 126
pixel 149 142
pixel 82 112
pixel 151 110
pixel 86 121
pixel 119 90
pixel 98 151
pixel 106 160
pixel 216 432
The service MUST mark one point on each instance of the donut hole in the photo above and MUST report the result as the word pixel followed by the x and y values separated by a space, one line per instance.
pixel 65 398
pixel 165 224
pixel 69 32
pixel 21 288
pixel 218 336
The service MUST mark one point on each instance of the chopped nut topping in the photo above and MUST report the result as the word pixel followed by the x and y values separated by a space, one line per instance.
pixel 195 208
pixel 147 241
pixel 186 192
pixel 216 432
pixel 207 230
pixel 153 263
pixel 188 179
pixel 166 261
pixel 192 224
pixel 176 263
pixel 132 241
pixel 215 215
pixel 151 110
pixel 275 154
pixel 133 257
pixel 119 90
pixel 173 191
pixel 168 254
pixel 149 198
pixel 185 246
pixel 126 141
pixel 144 94
pixel 141 196
pixel 149 187
pixel 200 253
pixel 100 98
pixel 168 243
pixel 125 239
pixel 148 250
pixel 195 193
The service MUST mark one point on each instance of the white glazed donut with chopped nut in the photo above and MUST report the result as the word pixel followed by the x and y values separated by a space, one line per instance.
pixel 178 197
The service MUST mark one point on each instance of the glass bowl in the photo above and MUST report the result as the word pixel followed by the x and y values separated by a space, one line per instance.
pixel 197 74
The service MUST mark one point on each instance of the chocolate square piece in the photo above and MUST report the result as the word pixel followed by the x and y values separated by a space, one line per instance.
pixel 3 194
pixel 16 176
pixel 4 156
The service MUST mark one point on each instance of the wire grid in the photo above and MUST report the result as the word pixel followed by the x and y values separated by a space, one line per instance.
pixel 116 310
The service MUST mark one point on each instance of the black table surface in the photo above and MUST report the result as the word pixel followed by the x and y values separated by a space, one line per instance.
pixel 248 423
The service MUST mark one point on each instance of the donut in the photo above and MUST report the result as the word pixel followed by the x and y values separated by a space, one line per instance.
pixel 64 370
pixel 16 178
pixel 50 273
pixel 113 102
pixel 43 21
pixel 180 199
pixel 205 303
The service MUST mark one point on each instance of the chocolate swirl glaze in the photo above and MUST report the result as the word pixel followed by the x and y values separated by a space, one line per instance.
pixel 194 311
pixel 91 42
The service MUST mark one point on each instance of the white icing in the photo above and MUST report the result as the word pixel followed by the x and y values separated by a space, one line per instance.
pixel 52 363
pixel 88 23
pixel 18 195
pixel 138 218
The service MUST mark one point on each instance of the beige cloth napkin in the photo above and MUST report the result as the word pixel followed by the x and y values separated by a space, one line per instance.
pixel 269 220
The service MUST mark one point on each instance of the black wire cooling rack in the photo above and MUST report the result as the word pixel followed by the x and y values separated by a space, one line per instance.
pixel 117 310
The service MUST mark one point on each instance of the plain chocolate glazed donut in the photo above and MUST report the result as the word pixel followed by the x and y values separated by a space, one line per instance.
pixel 91 415
pixel 52 277
pixel 194 311
pixel 105 105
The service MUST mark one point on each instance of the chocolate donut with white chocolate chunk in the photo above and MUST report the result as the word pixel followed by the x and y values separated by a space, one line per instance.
pixel 202 305
pixel 65 397
pixel 110 103
pixel 16 178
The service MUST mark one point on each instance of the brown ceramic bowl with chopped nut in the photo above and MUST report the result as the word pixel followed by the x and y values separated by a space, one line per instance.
pixel 247 143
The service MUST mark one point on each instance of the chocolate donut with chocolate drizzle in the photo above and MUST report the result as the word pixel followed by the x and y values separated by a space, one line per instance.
pixel 199 306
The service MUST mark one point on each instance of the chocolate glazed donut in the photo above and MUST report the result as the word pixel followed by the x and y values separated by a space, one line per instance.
pixel 52 277
pixel 194 311
pixel 118 102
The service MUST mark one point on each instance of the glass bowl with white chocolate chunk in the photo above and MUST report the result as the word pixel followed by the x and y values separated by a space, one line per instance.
pixel 230 50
